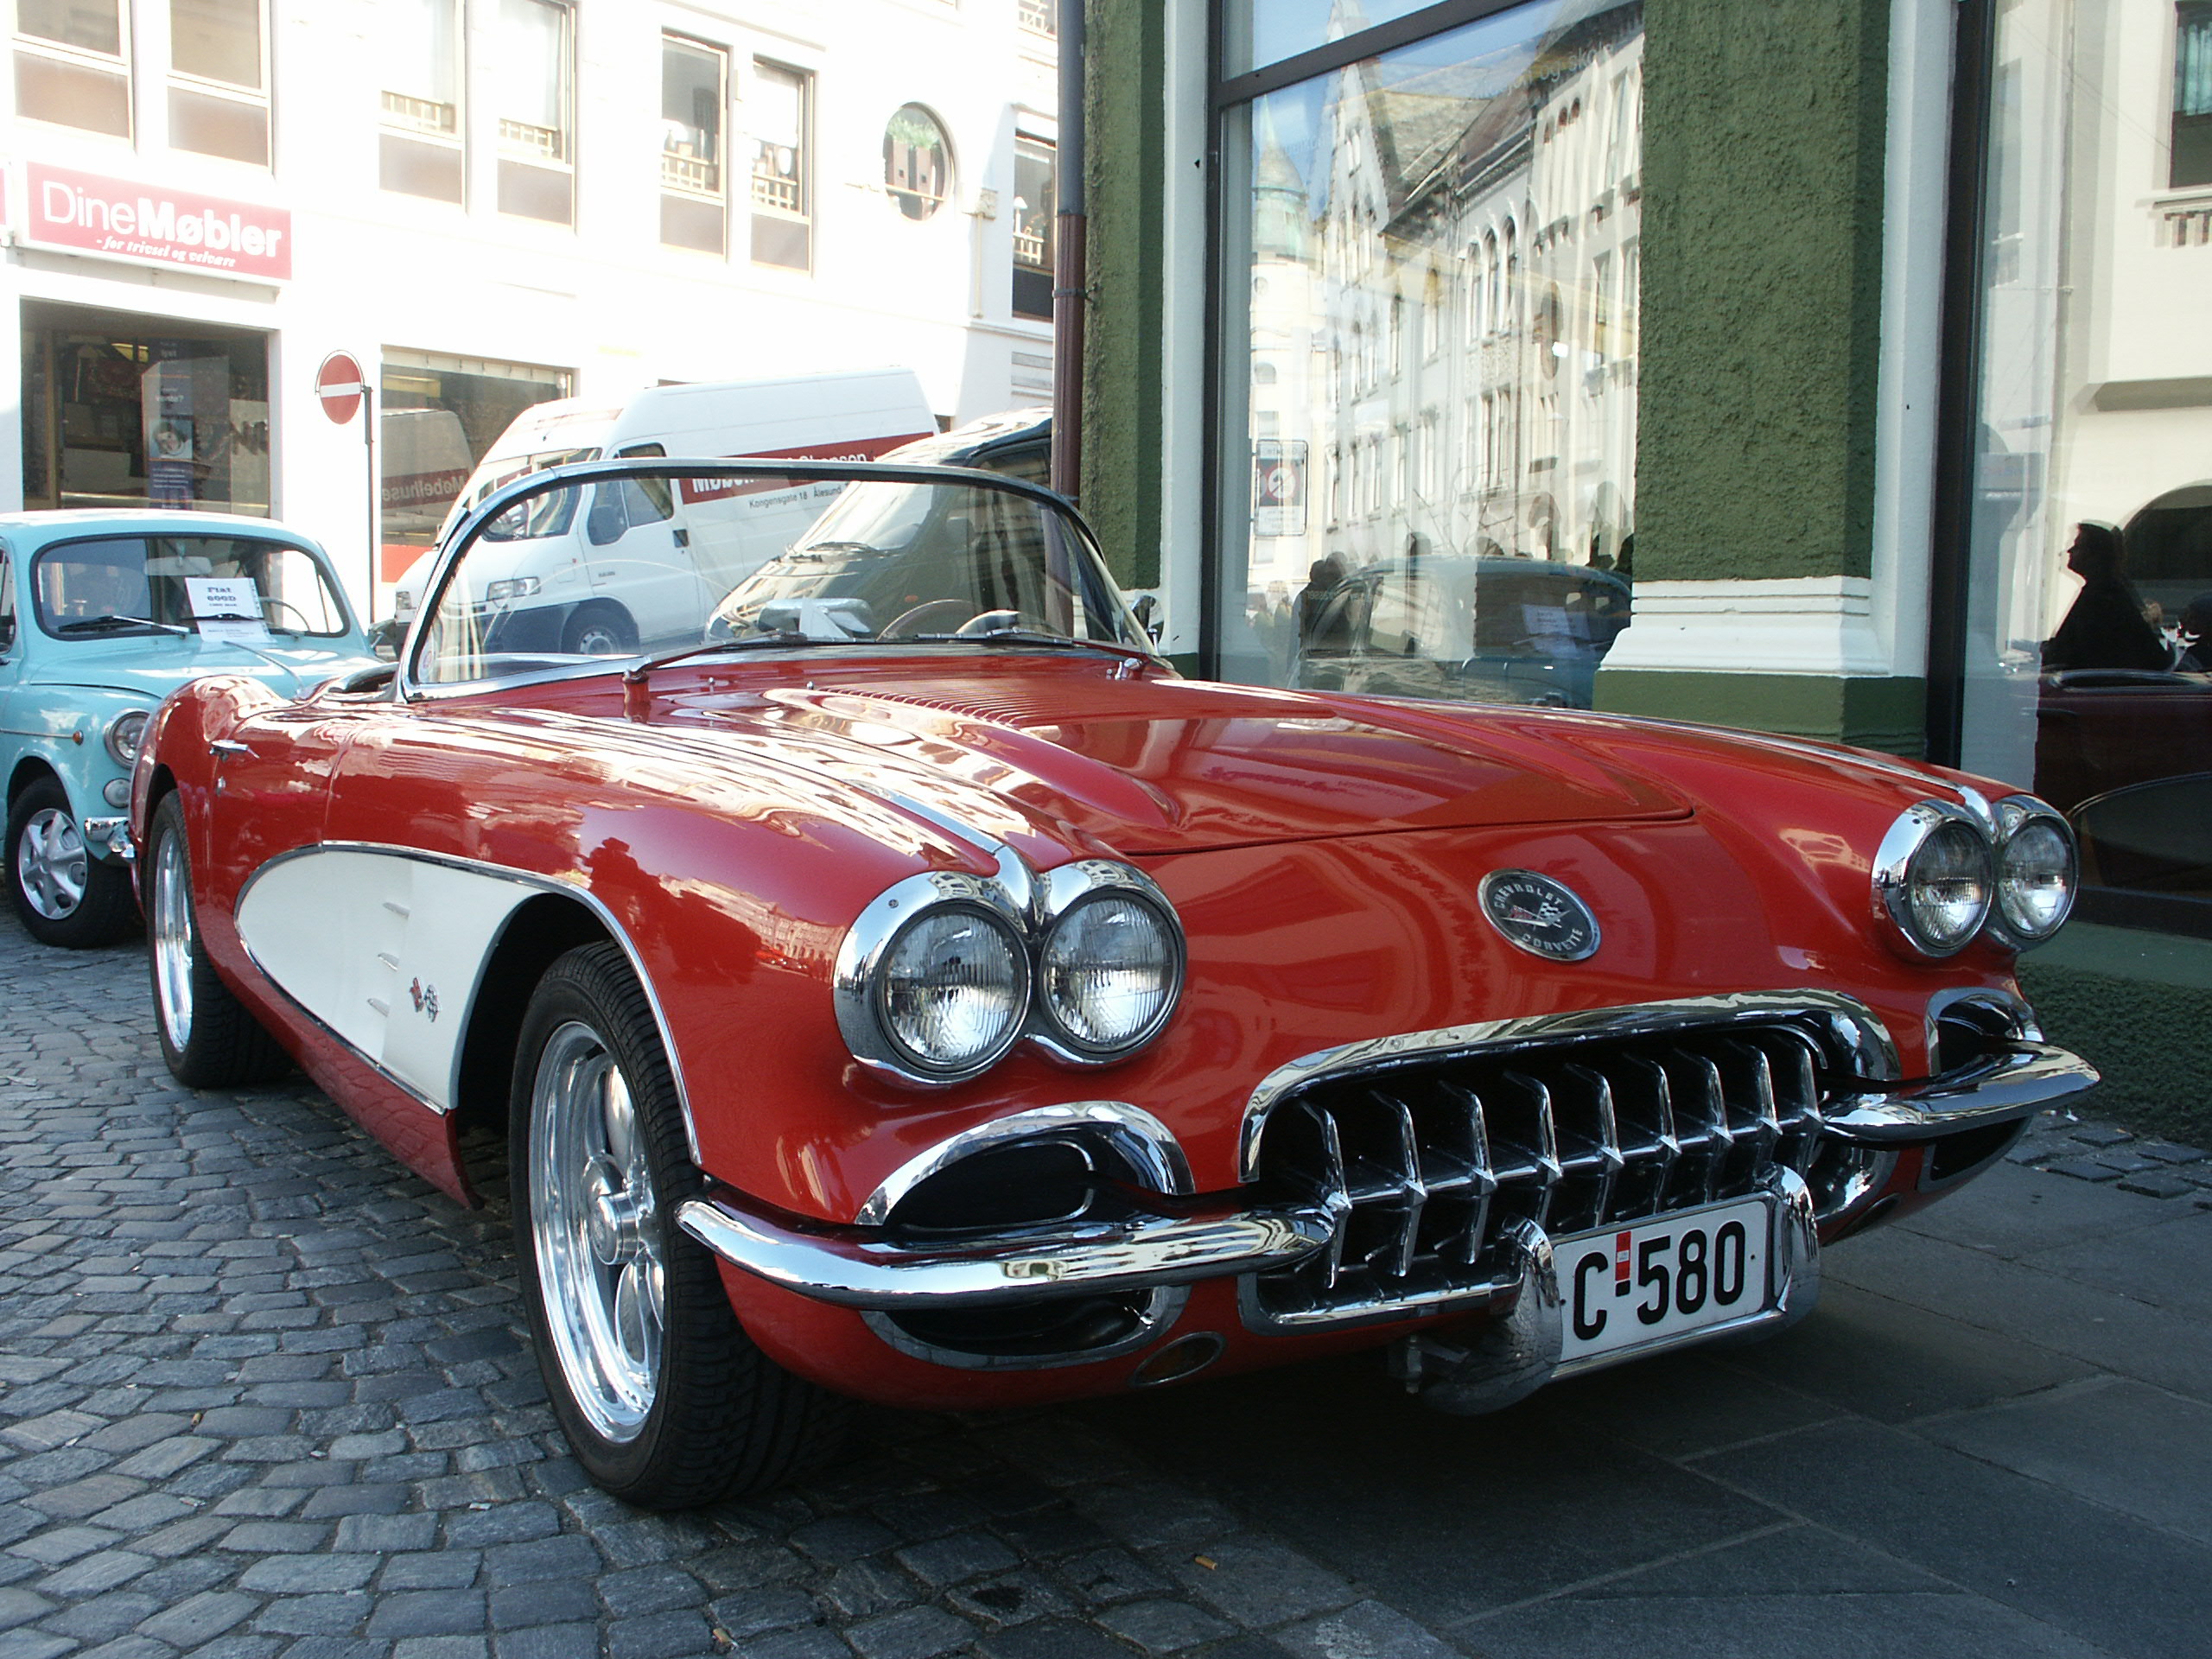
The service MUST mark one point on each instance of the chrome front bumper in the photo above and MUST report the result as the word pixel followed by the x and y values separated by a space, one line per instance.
pixel 860 1267
pixel 1186 1240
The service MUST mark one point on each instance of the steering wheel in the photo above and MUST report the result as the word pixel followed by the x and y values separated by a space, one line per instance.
pixel 901 624
pixel 270 600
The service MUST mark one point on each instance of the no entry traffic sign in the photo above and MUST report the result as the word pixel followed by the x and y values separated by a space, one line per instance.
pixel 340 384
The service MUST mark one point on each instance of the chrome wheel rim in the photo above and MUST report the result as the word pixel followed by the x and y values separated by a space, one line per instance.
pixel 52 864
pixel 594 1225
pixel 172 936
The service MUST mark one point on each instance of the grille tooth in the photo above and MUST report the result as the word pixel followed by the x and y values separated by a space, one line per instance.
pixel 1424 1168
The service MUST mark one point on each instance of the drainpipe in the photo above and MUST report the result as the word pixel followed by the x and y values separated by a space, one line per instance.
pixel 1069 261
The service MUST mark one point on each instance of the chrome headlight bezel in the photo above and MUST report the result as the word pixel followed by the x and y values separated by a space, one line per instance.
pixel 859 987
pixel 1064 894
pixel 125 734
pixel 1896 875
pixel 2016 814
pixel 1029 907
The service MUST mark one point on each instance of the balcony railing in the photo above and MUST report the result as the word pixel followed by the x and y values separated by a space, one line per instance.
pixel 519 138
pixel 779 194
pixel 1039 16
pixel 402 109
pixel 690 174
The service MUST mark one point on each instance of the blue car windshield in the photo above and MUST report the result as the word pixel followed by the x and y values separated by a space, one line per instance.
pixel 117 585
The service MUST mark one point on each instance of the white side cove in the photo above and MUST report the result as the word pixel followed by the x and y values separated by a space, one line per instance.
pixel 385 950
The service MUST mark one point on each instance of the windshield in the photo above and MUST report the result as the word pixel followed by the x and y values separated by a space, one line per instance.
pixel 237 586
pixel 673 559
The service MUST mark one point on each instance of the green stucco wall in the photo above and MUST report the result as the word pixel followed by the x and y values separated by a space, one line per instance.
pixel 1763 140
pixel 1875 714
pixel 1122 413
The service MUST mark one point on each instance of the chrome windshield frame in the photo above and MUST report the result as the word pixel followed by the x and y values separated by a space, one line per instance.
pixel 466 534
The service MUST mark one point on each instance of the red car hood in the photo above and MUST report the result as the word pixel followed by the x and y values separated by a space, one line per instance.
pixel 1151 766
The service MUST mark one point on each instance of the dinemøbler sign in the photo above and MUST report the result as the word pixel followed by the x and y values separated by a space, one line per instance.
pixel 154 224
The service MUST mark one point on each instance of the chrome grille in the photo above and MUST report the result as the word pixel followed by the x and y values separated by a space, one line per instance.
pixel 1426 1167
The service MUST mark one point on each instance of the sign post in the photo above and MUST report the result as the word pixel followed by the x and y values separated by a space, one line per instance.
pixel 346 392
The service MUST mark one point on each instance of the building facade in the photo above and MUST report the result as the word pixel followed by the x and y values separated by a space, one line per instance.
pixel 482 203
pixel 1730 360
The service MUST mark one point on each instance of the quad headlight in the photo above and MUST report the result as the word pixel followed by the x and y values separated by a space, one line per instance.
pixel 1945 873
pixel 943 973
pixel 1932 877
pixel 2036 869
pixel 952 988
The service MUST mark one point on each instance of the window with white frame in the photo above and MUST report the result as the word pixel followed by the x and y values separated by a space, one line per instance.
pixel 533 92
pixel 72 63
pixel 779 114
pixel 218 78
pixel 2191 161
pixel 1036 186
pixel 421 153
pixel 694 95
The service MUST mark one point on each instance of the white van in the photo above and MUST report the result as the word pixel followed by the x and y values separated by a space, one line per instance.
pixel 572 567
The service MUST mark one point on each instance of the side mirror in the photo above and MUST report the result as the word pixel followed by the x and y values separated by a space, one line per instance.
pixel 1147 612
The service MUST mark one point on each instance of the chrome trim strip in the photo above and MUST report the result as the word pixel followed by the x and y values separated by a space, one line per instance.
pixel 853 1267
pixel 1140 1137
pixel 2025 1078
pixel 1849 1021
pixel 1161 1309
pixel 525 878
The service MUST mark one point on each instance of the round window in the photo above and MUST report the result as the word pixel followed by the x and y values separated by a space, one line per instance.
pixel 917 162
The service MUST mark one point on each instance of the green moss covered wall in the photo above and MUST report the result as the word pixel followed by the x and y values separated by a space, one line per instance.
pixel 1763 135
pixel 1122 403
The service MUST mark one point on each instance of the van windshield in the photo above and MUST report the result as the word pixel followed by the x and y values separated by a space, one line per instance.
pixel 505 469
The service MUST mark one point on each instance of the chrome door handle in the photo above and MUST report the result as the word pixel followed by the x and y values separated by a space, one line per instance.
pixel 224 745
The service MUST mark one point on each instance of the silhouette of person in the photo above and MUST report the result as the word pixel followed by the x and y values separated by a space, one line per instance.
pixel 1323 577
pixel 2105 627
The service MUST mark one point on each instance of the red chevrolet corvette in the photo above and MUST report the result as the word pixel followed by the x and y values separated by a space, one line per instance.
pixel 895 980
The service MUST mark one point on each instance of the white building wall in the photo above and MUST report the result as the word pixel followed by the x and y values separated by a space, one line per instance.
pixel 604 301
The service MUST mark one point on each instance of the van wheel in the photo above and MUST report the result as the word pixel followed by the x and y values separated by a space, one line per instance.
pixel 600 629
pixel 665 1400
pixel 64 895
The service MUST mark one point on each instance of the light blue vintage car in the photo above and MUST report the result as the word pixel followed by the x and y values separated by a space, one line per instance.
pixel 102 615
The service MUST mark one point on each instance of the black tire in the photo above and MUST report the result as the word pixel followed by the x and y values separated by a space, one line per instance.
pixel 601 628
pixel 667 1418
pixel 64 895
pixel 207 1038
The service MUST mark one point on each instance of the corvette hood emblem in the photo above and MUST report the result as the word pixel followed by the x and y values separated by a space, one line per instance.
pixel 1542 916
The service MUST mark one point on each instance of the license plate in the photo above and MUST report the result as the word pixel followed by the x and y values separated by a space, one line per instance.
pixel 1687 1271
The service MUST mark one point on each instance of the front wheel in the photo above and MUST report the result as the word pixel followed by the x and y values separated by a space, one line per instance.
pixel 665 1400
pixel 64 895
pixel 208 1038
pixel 601 628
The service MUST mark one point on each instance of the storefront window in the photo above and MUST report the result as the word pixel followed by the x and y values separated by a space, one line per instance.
pixel 1432 260
pixel 2089 654
pixel 123 411
pixel 439 416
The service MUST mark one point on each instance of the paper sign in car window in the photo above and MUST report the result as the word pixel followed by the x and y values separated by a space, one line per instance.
pixel 227 607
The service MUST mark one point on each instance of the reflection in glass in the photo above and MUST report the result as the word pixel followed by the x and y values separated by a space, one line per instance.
pixel 649 561
pixel 1437 388
pixel 2090 535
pixel 917 162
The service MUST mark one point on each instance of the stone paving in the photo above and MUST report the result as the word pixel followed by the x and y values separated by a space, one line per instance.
pixel 265 1395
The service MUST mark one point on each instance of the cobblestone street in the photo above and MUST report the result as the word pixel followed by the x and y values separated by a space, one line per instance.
pixel 264 1395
